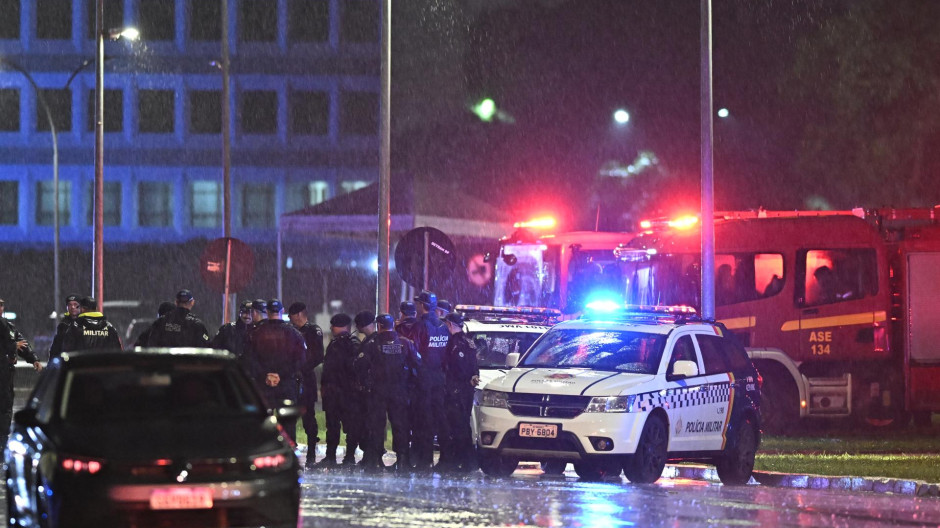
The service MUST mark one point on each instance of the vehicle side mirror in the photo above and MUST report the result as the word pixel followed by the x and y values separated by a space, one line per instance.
pixel 510 259
pixel 26 417
pixel 487 257
pixel 684 369
pixel 512 359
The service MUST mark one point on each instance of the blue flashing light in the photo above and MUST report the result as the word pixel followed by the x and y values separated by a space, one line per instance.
pixel 603 305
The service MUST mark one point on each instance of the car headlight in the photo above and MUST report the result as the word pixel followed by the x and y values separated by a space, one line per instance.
pixel 493 398
pixel 611 404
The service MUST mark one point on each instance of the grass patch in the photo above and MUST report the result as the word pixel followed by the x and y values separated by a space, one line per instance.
pixel 919 467
pixel 908 454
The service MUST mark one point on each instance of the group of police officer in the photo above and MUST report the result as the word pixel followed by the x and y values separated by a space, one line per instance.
pixel 417 373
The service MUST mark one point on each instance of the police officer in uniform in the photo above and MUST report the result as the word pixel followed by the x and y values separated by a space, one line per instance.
pixel 394 359
pixel 462 375
pixel 335 383
pixel 91 330
pixel 259 311
pixel 357 401
pixel 313 336
pixel 72 309
pixel 179 328
pixel 164 308
pixel 12 343
pixel 427 407
pixel 234 336
pixel 443 308
pixel 408 319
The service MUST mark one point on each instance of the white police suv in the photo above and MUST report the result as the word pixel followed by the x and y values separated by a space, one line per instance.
pixel 626 390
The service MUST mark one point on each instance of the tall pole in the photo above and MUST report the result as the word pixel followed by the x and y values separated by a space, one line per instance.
pixel 708 187
pixel 97 275
pixel 385 170
pixel 56 291
pixel 227 163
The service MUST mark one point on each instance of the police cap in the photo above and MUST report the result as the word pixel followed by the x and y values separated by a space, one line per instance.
pixel 340 320
pixel 165 308
pixel 455 318
pixel 296 308
pixel 184 296
pixel 88 303
pixel 408 308
pixel 244 307
pixel 445 306
pixel 72 297
pixel 364 319
pixel 385 321
pixel 275 306
pixel 259 305
pixel 428 299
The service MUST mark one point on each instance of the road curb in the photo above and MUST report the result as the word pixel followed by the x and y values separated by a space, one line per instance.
pixel 918 488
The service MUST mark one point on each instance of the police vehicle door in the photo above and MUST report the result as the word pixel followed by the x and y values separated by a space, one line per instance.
pixel 685 398
pixel 718 394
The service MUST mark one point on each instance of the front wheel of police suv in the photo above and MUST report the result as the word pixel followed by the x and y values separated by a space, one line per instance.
pixel 647 464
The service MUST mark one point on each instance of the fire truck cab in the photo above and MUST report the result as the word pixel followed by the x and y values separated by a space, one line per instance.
pixel 840 310
pixel 555 270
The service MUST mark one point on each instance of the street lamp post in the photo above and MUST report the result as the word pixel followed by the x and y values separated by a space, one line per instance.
pixel 97 264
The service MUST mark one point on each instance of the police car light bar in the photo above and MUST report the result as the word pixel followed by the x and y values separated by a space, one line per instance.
pixel 525 312
pixel 609 309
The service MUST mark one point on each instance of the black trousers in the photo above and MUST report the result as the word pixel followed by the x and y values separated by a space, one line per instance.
pixel 333 408
pixel 6 400
pixel 391 406
pixel 459 404
pixel 355 420
pixel 429 420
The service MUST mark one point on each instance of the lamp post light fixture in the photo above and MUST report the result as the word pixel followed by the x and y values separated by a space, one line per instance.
pixel 97 264
pixel 621 116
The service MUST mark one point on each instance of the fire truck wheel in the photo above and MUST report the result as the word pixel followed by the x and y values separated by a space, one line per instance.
pixel 923 419
pixel 780 405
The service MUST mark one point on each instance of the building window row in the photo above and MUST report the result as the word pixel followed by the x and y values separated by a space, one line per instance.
pixel 308 111
pixel 305 21
pixel 155 202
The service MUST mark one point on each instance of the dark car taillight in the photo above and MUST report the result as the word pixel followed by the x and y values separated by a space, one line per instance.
pixel 81 465
pixel 271 462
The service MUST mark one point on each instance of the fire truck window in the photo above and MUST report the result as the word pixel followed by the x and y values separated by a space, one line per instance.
pixel 744 277
pixel 839 275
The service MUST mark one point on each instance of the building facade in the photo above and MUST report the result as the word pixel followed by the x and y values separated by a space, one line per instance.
pixel 304 120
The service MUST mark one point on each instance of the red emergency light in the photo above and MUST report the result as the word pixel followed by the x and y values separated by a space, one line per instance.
pixel 544 222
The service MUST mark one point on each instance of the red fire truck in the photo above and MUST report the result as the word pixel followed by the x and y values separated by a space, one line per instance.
pixel 840 310
pixel 539 268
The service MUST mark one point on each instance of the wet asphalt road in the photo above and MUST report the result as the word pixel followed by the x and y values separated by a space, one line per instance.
pixel 337 498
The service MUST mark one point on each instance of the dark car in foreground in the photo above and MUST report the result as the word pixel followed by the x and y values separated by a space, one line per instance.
pixel 171 437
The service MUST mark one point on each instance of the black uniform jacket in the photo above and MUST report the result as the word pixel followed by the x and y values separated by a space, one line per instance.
pixel 179 328
pixel 460 363
pixel 394 361
pixel 337 378
pixel 277 347
pixel 91 330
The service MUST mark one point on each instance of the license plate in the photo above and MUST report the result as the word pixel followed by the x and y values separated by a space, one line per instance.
pixel 538 430
pixel 181 499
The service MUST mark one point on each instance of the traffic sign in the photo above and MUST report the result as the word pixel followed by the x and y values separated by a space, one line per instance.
pixel 410 258
pixel 212 264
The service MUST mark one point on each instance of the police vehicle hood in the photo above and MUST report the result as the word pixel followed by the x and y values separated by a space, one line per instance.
pixel 571 381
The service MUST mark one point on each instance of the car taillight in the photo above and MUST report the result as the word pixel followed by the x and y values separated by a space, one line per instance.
pixel 81 465
pixel 270 461
pixel 760 381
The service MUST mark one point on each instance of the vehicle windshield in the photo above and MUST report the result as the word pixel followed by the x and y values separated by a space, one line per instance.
pixel 493 347
pixel 610 350
pixel 119 392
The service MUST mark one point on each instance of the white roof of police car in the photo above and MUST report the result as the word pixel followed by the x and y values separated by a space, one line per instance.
pixel 502 326
pixel 649 326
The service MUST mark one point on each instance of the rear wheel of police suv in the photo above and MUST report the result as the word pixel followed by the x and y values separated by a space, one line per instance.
pixel 554 467
pixel 737 463
pixel 647 464
pixel 497 466
pixel 597 469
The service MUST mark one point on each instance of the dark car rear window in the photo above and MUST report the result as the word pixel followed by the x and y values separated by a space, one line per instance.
pixel 178 390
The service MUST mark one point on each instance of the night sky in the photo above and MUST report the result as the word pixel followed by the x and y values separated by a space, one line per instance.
pixel 560 69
